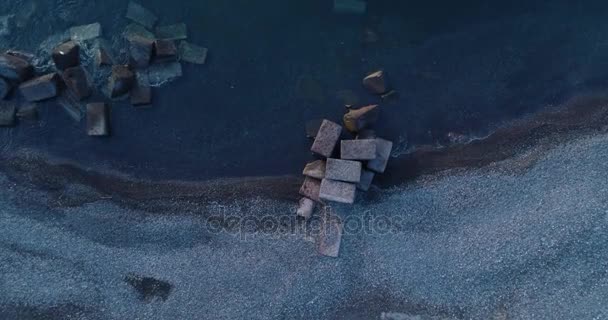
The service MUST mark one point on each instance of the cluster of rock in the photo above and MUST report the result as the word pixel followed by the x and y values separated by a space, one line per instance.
pixel 154 59
pixel 340 172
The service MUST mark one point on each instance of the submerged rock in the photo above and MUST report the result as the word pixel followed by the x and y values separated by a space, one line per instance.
pixel 13 68
pixel 97 119
pixel 178 31
pixel 141 95
pixel 41 88
pixel 165 51
pixel 330 235
pixel 161 73
pixel 121 81
pixel 149 288
pixel 6 25
pixel 376 83
pixel 103 56
pixel 135 30
pixel 85 32
pixel 5 88
pixel 192 53
pixel 366 180
pixel 141 15
pixel 7 114
pixel 28 112
pixel 141 51
pixel 356 120
pixel 383 154
pixel 66 55
pixel 77 82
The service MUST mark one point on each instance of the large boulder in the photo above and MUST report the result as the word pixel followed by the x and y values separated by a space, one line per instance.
pixel 356 120
pixel 141 49
pixel 165 50
pixel 66 55
pixel 41 88
pixel 121 81
pixel 14 68
pixel 77 82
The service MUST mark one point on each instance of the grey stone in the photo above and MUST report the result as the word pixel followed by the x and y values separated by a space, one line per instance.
pixel 178 31
pixel 312 127
pixel 85 32
pixel 327 138
pixel 383 154
pixel 97 119
pixel 77 82
pixel 41 88
pixel 140 50
pixel 366 180
pixel 28 112
pixel 7 114
pixel 306 208
pixel 337 191
pixel 165 50
pixel 121 81
pixel 356 120
pixel 343 170
pixel 66 55
pixel 315 169
pixel 141 15
pixel 376 83
pixel 192 53
pixel 162 73
pixel 350 6
pixel 330 235
pixel 141 95
pixel 135 30
pixel 364 149
pixel 13 68
pixel 310 188
pixel 5 88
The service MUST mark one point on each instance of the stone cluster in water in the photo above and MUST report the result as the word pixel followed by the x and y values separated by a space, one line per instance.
pixel 154 60
pixel 337 176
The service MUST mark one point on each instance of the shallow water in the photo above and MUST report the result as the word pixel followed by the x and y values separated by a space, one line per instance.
pixel 511 226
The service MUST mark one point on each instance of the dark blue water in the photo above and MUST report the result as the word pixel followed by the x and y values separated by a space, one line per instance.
pixel 462 68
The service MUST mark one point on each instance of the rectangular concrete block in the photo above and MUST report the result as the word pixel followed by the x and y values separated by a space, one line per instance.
pixel 383 154
pixel 327 138
pixel 41 88
pixel 97 119
pixel 330 236
pixel 366 180
pixel 343 170
pixel 315 169
pixel 337 191
pixel 305 208
pixel 364 149
pixel 311 188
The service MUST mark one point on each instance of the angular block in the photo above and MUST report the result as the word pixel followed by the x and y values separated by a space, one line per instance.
pixel 376 83
pixel 337 191
pixel 383 154
pixel 366 180
pixel 364 149
pixel 27 112
pixel 103 57
pixel 343 170
pixel 121 81
pixel 327 138
pixel 77 82
pixel 315 169
pixel 192 53
pixel 141 15
pixel 97 119
pixel 178 31
pixel 165 50
pixel 162 73
pixel 66 55
pixel 41 88
pixel 85 32
pixel 356 120
pixel 310 188
pixel 140 50
pixel 135 30
pixel 7 114
pixel 305 208
pixel 13 68
pixel 141 95
pixel 330 236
